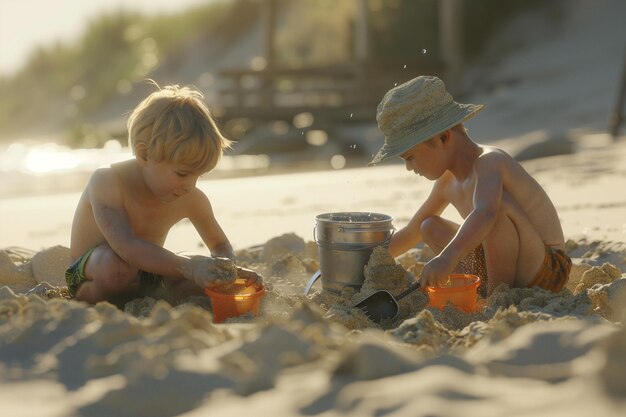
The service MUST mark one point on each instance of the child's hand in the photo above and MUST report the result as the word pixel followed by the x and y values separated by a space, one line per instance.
pixel 249 275
pixel 207 271
pixel 436 272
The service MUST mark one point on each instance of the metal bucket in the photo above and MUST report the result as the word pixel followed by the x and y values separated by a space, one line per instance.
pixel 345 242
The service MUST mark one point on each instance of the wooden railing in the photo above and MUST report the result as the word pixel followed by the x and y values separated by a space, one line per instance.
pixel 341 93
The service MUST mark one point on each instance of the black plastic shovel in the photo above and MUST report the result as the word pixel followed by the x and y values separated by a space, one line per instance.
pixel 382 305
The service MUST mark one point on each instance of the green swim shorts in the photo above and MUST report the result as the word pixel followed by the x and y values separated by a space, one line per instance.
pixel 75 276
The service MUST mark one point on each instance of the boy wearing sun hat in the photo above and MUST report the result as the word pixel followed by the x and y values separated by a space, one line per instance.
pixel 509 220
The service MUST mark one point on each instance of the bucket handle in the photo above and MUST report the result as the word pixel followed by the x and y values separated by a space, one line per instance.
pixel 363 230
pixel 385 242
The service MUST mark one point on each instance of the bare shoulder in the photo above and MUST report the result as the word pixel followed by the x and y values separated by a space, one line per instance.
pixel 118 177
pixel 102 178
pixel 494 164
pixel 495 159
pixel 197 203
pixel 443 187
pixel 104 186
pixel 105 174
pixel 492 154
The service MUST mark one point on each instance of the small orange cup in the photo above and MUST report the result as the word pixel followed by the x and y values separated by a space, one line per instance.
pixel 235 300
pixel 462 293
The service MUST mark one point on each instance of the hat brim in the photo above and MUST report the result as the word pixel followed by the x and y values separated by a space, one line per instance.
pixel 442 121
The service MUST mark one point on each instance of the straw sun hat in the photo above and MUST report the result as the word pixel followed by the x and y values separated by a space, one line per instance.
pixel 416 111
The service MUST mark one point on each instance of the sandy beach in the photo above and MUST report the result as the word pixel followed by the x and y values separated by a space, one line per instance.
pixel 523 352
pixel 310 355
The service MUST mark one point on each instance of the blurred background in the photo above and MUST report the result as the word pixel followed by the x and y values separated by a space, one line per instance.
pixel 296 82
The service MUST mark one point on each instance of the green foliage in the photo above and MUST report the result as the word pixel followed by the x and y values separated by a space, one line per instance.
pixel 482 17
pixel 403 29
pixel 62 84
pixel 322 38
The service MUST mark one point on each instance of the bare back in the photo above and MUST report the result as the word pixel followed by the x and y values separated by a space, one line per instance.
pixel 521 194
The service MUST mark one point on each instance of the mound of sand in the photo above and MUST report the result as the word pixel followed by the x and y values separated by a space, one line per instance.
pixel 157 359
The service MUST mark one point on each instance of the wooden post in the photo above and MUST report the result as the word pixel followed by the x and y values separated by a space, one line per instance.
pixel 450 32
pixel 361 32
pixel 361 52
pixel 268 24
pixel 618 113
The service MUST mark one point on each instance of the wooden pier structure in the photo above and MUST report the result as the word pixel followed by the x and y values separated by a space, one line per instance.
pixel 333 94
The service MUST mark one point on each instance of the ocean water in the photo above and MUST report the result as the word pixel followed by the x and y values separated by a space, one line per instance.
pixel 40 167
pixel 29 168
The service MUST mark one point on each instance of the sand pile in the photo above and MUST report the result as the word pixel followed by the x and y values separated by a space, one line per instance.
pixel 287 263
pixel 162 360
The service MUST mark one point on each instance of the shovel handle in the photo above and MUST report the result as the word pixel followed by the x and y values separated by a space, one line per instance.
pixel 314 278
pixel 409 290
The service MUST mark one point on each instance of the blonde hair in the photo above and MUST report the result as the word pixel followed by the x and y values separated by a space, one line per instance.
pixel 175 125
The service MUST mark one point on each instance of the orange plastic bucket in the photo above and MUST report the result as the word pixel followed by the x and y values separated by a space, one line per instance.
pixel 461 292
pixel 235 300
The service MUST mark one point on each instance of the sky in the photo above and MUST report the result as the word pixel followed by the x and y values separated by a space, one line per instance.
pixel 26 24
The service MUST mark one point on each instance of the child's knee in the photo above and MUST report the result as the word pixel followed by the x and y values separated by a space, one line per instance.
pixel 430 226
pixel 117 272
pixel 126 273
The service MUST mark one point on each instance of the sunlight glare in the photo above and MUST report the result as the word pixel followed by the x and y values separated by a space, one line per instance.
pixel 50 157
pixel 316 137
pixel 338 161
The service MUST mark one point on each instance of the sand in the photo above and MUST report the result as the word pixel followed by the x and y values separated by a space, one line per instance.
pixel 316 354
pixel 162 360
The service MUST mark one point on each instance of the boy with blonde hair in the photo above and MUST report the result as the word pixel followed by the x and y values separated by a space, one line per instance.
pixel 507 214
pixel 127 209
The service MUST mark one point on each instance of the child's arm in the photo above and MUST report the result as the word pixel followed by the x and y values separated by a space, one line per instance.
pixel 409 236
pixel 474 229
pixel 107 204
pixel 203 219
pixel 213 236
